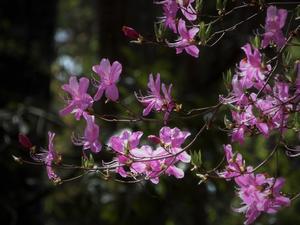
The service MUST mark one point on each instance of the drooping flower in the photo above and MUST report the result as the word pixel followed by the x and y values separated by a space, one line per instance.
pixel 49 157
pixel 155 101
pixel 275 21
pixel 80 99
pixel 109 76
pixel 90 140
pixel 260 194
pixel 186 40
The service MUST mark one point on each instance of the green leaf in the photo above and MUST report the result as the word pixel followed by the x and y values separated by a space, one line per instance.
pixel 196 158
pixel 159 31
pixel 199 5
pixel 256 42
pixel 227 77
pixel 219 5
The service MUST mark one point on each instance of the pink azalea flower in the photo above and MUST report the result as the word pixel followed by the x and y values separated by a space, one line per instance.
pixel 81 100
pixel 90 140
pixel 251 70
pixel 123 145
pixel 275 21
pixel 109 76
pixel 243 120
pixel 170 8
pixel 260 194
pixel 172 139
pixel 237 95
pixel 49 157
pixel 157 162
pixel 151 167
pixel 236 164
pixel 187 9
pixel 186 40
pixel 156 101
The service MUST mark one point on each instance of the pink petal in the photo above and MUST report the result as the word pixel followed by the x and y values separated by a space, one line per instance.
pixel 112 92
pixel 115 72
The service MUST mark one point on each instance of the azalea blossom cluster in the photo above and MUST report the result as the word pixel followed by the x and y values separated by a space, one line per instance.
pixel 259 105
pixel 186 40
pixel 135 161
pixel 258 192
pixel 140 161
pixel 261 101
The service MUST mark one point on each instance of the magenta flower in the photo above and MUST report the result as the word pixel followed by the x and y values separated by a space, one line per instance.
pixel 170 8
pixel 275 21
pixel 172 139
pixel 81 100
pixel 260 194
pixel 186 40
pixel 242 120
pixel 109 76
pixel 123 145
pixel 252 72
pixel 156 101
pixel 236 164
pixel 237 95
pixel 187 9
pixel 156 162
pixel 90 140
pixel 49 157
pixel 150 167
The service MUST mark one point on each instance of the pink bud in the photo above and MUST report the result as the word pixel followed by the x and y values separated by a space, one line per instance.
pixel 24 141
pixel 154 139
pixel 130 32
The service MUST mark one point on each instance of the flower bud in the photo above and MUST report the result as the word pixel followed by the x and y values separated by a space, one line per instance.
pixel 130 33
pixel 154 139
pixel 25 142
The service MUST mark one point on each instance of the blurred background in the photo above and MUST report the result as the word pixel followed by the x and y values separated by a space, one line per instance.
pixel 42 43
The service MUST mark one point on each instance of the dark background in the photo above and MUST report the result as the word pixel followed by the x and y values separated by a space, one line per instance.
pixel 41 44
